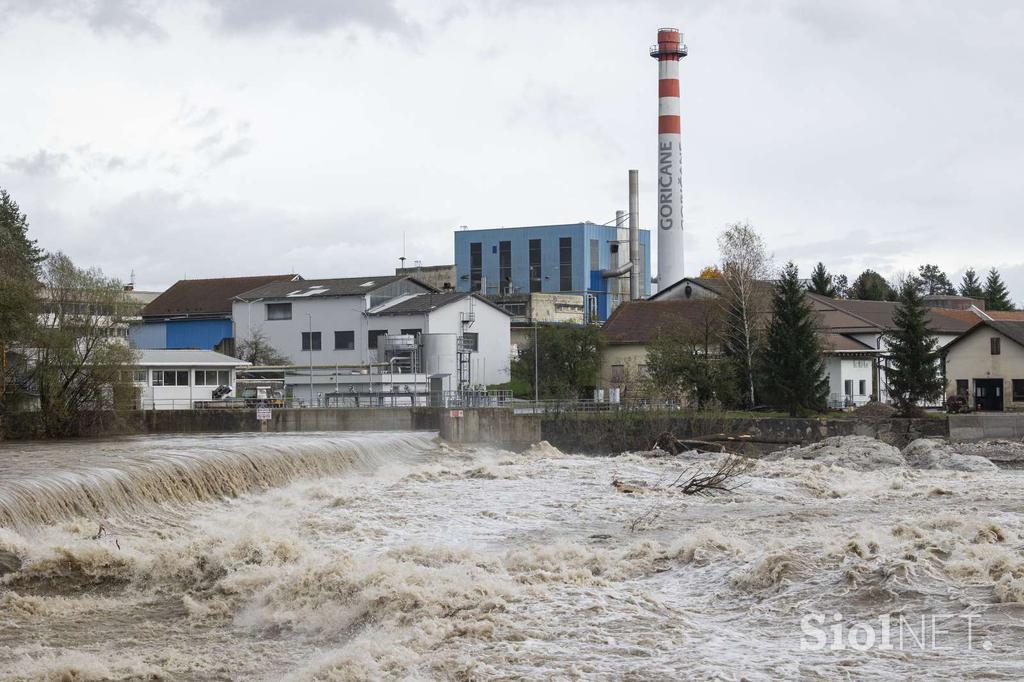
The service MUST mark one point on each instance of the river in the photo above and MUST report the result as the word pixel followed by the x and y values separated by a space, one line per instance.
pixel 389 555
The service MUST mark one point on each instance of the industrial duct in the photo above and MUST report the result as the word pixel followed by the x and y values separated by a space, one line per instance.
pixel 632 266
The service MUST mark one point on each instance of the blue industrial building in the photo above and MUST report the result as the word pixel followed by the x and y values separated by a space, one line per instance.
pixel 551 259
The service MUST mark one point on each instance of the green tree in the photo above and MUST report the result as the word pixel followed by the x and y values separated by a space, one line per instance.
pixel 970 285
pixel 870 286
pixel 997 296
pixel 793 365
pixel 81 363
pixel 821 282
pixel 568 361
pixel 913 375
pixel 684 360
pixel 934 281
pixel 842 285
pixel 19 296
pixel 746 268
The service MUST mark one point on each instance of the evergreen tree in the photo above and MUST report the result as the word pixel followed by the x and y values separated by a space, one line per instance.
pixel 913 374
pixel 970 285
pixel 19 296
pixel 793 367
pixel 870 286
pixel 842 285
pixel 997 296
pixel 934 281
pixel 821 282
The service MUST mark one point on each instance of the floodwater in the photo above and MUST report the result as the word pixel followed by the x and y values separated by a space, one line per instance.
pixel 388 555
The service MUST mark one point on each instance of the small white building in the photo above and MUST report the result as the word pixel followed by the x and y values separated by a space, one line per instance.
pixel 376 340
pixel 178 379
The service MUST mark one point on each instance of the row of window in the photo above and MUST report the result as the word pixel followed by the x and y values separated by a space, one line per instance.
pixel 861 385
pixel 346 340
pixel 504 249
pixel 963 387
pixel 179 377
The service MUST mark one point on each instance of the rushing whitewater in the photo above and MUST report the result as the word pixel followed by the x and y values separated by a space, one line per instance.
pixel 369 556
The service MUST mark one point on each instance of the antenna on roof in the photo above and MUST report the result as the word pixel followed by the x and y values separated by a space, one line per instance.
pixel 402 257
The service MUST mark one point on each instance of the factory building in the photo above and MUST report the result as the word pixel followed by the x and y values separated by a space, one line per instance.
pixel 195 314
pixel 575 259
pixel 376 340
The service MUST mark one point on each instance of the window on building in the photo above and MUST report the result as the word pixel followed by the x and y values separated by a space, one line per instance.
pixel 595 254
pixel 138 376
pixel 213 377
pixel 618 374
pixel 476 266
pixel 373 336
pixel 848 387
pixel 963 387
pixel 279 311
pixel 862 387
pixel 565 263
pixel 344 340
pixel 310 340
pixel 536 275
pixel 471 341
pixel 995 345
pixel 505 267
pixel 1018 390
pixel 170 377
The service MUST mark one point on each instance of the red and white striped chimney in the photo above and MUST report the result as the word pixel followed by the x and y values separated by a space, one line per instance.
pixel 669 50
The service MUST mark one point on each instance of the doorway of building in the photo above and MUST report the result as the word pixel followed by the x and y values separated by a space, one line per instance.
pixel 988 395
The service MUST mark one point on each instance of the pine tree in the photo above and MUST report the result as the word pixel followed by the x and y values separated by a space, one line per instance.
pixel 970 285
pixel 842 285
pixel 870 286
pixel 913 375
pixel 821 282
pixel 934 281
pixel 997 296
pixel 793 366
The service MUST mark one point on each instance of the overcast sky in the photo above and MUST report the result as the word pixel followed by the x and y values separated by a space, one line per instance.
pixel 207 139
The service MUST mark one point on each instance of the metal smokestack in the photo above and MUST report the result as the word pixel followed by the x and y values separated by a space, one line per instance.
pixel 634 235
pixel 669 50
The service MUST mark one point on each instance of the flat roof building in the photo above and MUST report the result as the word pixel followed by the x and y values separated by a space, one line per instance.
pixel 567 259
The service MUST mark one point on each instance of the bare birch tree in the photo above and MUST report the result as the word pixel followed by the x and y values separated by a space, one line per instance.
pixel 746 268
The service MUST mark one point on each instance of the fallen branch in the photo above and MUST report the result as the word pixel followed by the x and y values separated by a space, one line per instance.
pixel 715 482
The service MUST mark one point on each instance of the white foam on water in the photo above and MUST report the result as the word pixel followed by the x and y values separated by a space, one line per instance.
pixel 421 561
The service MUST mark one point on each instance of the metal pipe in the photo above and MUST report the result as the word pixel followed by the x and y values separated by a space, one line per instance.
pixel 634 234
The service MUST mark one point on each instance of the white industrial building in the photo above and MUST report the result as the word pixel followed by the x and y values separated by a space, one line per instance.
pixel 376 340
pixel 179 379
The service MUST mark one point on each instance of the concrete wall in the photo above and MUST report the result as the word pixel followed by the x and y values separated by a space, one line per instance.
pixel 972 359
pixel 26 425
pixel 490 426
pixel 608 433
pixel 981 426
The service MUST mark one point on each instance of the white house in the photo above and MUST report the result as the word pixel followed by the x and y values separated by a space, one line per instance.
pixel 376 339
pixel 177 379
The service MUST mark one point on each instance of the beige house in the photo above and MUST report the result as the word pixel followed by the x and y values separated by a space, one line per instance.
pixel 987 365
pixel 633 325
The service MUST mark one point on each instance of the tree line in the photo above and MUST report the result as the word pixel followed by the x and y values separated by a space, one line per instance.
pixel 63 350
pixel 929 280
pixel 757 343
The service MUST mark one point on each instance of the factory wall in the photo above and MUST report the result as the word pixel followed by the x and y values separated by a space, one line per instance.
pixel 585 267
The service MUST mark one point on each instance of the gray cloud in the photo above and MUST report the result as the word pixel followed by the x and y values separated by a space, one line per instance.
pixel 126 17
pixel 41 164
pixel 308 16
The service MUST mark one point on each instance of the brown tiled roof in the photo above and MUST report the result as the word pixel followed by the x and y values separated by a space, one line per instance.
pixel 205 297
pixel 838 342
pixel 639 321
pixel 964 315
pixel 878 315
pixel 1010 315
